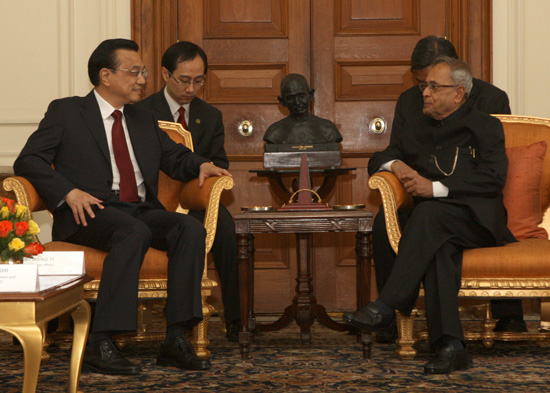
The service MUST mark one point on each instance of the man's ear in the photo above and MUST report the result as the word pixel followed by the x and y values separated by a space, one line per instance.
pixel 281 101
pixel 312 92
pixel 460 93
pixel 165 74
pixel 105 76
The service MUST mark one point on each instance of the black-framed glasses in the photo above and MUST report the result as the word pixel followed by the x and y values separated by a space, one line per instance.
pixel 188 82
pixel 134 71
pixel 434 87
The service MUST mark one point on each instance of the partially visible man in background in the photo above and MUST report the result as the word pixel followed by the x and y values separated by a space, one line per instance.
pixel 184 67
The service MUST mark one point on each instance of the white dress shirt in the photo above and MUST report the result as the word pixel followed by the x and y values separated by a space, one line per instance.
pixel 175 107
pixel 108 121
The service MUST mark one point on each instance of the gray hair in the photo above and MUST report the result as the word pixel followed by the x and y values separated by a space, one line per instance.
pixel 460 72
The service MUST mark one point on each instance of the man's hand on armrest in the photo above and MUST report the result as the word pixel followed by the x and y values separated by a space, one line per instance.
pixel 208 169
pixel 414 184
pixel 81 203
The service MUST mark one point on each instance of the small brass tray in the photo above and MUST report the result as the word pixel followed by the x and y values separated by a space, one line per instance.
pixel 256 209
pixel 358 206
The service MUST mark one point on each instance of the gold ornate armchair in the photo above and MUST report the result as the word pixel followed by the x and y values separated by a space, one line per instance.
pixel 175 196
pixel 516 270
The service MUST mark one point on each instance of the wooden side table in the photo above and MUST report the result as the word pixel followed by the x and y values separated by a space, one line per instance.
pixel 304 308
pixel 25 316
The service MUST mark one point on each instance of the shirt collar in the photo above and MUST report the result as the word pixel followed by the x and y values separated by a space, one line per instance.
pixel 174 106
pixel 105 108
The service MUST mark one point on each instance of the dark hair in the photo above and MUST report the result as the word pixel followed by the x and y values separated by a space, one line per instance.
pixel 104 56
pixel 430 48
pixel 180 52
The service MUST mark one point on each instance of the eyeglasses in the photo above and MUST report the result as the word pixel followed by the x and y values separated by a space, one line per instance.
pixel 188 82
pixel 134 71
pixel 434 87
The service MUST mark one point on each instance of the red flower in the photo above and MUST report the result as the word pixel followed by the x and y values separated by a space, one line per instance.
pixel 21 228
pixel 5 228
pixel 10 203
pixel 34 249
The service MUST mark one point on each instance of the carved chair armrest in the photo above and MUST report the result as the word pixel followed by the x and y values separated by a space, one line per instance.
pixel 25 193
pixel 206 198
pixel 393 197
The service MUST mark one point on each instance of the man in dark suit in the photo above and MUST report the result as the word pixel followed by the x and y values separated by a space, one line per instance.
pixel 453 161
pixel 486 98
pixel 184 67
pixel 95 161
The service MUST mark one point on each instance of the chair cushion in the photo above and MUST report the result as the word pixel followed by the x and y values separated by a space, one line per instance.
pixel 155 264
pixel 528 258
pixel 522 190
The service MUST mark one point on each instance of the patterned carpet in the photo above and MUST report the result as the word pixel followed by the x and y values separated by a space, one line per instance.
pixel 279 363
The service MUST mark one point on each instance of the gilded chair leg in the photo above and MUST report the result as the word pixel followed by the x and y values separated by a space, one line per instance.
pixel 200 331
pixel 405 341
pixel 545 315
pixel 487 327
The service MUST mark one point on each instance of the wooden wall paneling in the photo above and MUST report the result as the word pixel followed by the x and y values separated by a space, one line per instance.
pixel 154 28
pixel 377 17
pixel 244 83
pixel 245 18
pixel 372 80
pixel 190 22
pixel 469 26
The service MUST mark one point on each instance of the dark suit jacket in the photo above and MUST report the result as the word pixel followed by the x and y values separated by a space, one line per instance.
pixel 72 137
pixel 205 125
pixel 484 96
pixel 481 164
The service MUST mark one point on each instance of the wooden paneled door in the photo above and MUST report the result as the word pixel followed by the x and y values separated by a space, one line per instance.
pixel 356 55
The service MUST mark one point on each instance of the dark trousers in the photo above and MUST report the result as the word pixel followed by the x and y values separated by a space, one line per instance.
pixel 430 252
pixel 384 259
pixel 224 251
pixel 126 230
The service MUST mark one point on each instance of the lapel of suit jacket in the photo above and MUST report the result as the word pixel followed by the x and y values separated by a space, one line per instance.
pixel 195 122
pixel 160 106
pixel 92 117
pixel 140 138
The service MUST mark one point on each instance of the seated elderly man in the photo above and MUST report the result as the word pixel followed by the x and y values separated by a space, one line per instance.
pixel 453 161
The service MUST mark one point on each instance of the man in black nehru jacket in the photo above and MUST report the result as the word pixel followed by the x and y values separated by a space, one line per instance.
pixel 484 97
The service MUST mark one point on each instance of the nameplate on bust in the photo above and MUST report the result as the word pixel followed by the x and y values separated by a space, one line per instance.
pixel 18 278
pixel 290 147
pixel 315 159
pixel 58 263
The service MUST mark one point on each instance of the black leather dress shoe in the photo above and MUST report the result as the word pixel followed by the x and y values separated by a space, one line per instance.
pixel 180 353
pixel 448 359
pixel 511 324
pixel 370 318
pixel 105 359
pixel 388 336
pixel 232 331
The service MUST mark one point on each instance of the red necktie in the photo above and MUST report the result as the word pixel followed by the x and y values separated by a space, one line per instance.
pixel 128 186
pixel 181 119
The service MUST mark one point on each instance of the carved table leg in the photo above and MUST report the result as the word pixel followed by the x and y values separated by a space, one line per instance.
pixel 363 255
pixel 245 283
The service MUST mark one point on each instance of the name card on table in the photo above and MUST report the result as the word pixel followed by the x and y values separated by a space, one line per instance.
pixel 58 263
pixel 18 278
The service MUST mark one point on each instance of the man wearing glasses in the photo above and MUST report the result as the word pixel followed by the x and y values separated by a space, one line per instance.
pixel 453 161
pixel 95 161
pixel 486 98
pixel 184 67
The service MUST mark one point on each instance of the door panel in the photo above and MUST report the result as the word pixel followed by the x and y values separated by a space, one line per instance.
pixel 354 53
